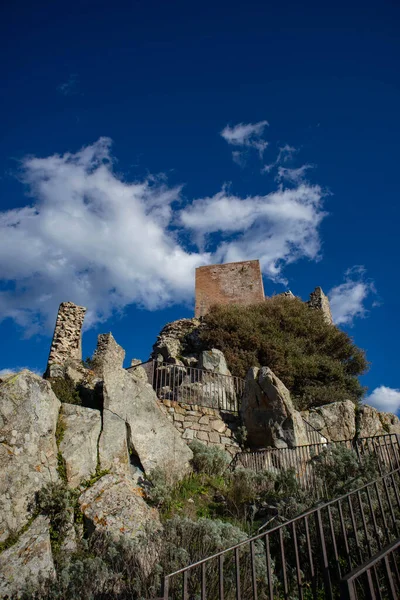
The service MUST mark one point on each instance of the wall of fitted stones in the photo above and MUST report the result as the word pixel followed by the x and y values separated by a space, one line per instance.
pixel 232 283
pixel 209 426
pixel 320 301
pixel 67 338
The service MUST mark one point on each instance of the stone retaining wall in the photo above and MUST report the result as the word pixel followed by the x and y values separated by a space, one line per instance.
pixel 208 425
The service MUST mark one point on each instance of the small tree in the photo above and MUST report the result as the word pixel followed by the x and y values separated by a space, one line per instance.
pixel 316 361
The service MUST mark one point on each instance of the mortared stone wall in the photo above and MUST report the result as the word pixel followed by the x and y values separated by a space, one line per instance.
pixel 231 283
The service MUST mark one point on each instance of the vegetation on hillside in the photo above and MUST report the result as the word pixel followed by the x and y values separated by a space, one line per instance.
pixel 210 510
pixel 316 361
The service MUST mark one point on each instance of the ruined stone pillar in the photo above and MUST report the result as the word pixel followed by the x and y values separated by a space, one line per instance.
pixel 67 338
pixel 319 301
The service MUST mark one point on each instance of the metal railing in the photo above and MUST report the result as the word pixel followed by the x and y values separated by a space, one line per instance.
pixel 306 557
pixel 386 449
pixel 377 578
pixel 193 386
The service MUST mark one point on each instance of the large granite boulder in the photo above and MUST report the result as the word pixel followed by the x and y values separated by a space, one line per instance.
pixel 390 422
pixel 115 504
pixel 213 360
pixel 372 422
pixel 81 430
pixel 336 421
pixel 175 339
pixel 28 450
pixel 152 439
pixel 28 561
pixel 113 446
pixel 268 413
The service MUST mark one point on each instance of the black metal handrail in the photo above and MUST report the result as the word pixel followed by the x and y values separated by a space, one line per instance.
pixel 386 448
pixel 378 577
pixel 194 386
pixel 292 557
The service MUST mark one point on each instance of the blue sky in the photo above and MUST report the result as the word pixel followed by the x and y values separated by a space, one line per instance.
pixel 141 140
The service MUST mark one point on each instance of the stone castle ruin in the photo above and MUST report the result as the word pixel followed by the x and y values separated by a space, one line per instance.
pixel 231 283
pixel 119 426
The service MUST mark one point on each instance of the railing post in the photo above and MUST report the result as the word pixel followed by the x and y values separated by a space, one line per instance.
pixel 325 564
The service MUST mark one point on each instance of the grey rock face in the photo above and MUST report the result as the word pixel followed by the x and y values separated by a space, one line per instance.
pixel 151 437
pixel 336 421
pixel 28 560
pixel 214 360
pixel 115 504
pixel 268 412
pixel 79 444
pixel 390 422
pixel 373 422
pixel 113 447
pixel 175 339
pixel 28 450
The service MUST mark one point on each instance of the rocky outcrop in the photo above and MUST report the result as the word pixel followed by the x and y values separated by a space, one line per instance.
pixel 176 339
pixel 152 440
pixel 81 430
pixel 113 446
pixel 336 421
pixel 373 422
pixel 390 422
pixel 28 561
pixel 268 413
pixel 115 504
pixel 214 361
pixel 67 338
pixel 28 450
pixel 319 301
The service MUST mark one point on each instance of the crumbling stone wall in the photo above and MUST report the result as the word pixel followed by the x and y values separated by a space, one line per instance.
pixel 208 425
pixel 67 338
pixel 320 301
pixel 231 283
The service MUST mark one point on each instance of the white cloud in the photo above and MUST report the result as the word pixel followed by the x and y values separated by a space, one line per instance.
pixel 102 242
pixel 347 299
pixel 91 238
pixel 294 176
pixel 246 134
pixel 277 228
pixel 385 399
pixel 70 87
pixel 6 372
pixel 285 153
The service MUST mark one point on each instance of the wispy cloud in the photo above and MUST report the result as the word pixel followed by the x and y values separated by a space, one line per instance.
pixel 348 299
pixel 246 134
pixel 70 87
pixel 103 242
pixel 6 372
pixel 293 175
pixel 278 228
pixel 384 398
pixel 285 153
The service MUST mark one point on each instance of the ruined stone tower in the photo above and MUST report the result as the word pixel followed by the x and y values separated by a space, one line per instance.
pixel 67 338
pixel 320 301
pixel 231 283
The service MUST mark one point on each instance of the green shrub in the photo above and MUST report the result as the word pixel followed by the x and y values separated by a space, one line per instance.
pixel 209 460
pixel 65 390
pixel 56 501
pixel 317 362
pixel 339 470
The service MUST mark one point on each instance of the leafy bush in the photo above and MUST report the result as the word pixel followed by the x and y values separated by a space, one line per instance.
pixel 210 460
pixel 317 362
pixel 339 470
pixel 65 390
pixel 57 502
